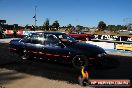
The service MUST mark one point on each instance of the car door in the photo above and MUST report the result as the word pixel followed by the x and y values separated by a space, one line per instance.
pixel 36 45
pixel 33 44
pixel 53 49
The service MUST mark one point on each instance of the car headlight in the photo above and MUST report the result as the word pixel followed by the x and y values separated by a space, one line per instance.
pixel 102 54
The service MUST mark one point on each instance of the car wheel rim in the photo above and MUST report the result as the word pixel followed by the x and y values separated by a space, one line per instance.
pixel 79 61
pixel 24 56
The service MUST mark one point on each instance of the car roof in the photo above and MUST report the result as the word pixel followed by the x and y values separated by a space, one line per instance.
pixel 48 32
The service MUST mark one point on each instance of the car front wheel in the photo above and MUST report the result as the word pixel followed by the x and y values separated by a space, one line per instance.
pixel 79 61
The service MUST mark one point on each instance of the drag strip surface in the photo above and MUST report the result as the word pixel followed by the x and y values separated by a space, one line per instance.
pixel 40 73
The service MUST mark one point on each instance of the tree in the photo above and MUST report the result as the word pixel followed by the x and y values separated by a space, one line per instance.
pixel 111 27
pixel 46 24
pixel 69 28
pixel 101 26
pixel 115 28
pixel 79 28
pixel 2 22
pixel 129 27
pixel 56 25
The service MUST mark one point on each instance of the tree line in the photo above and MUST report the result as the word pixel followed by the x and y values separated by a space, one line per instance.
pixel 102 26
pixel 47 27
pixel 55 26
pixel 78 28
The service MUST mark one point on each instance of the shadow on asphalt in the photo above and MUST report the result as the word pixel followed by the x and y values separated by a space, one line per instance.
pixel 51 70
pixel 107 64
pixel 54 70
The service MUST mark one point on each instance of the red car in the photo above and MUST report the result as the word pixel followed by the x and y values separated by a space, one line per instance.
pixel 82 36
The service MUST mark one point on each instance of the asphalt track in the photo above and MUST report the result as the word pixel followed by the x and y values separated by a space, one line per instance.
pixel 16 73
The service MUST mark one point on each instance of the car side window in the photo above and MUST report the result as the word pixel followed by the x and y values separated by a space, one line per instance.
pixel 34 39
pixel 26 39
pixel 37 39
pixel 51 40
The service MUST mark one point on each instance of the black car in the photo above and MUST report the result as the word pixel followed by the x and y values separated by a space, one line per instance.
pixel 56 46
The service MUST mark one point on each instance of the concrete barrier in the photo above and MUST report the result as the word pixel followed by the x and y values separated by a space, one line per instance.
pixel 111 47
pixel 104 45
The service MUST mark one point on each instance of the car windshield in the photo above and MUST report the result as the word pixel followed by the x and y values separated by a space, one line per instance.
pixel 66 38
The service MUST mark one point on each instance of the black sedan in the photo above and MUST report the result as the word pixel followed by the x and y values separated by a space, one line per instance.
pixel 56 46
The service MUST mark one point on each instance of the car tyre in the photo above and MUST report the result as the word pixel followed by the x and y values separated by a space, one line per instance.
pixel 79 61
pixel 24 55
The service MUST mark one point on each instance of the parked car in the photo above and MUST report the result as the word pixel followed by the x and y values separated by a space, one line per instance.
pixel 82 36
pixel 56 46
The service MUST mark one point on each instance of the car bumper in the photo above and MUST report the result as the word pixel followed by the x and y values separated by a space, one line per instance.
pixel 98 59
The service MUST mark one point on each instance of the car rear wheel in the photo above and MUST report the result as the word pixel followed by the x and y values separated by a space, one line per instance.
pixel 24 55
pixel 79 61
